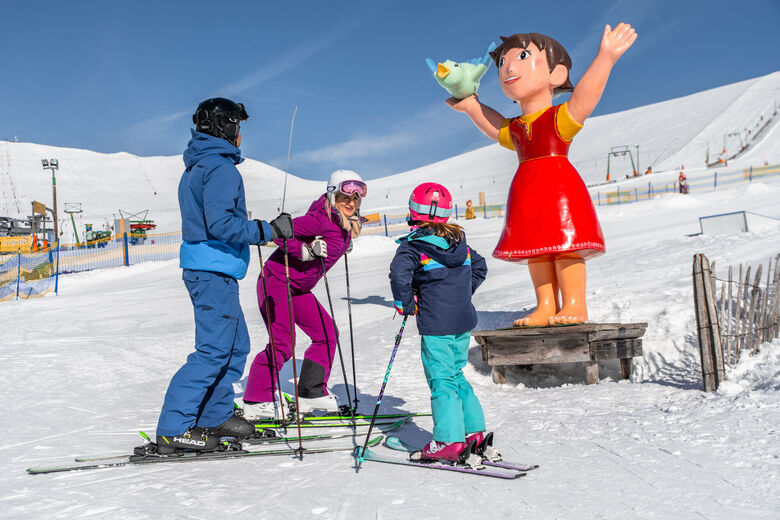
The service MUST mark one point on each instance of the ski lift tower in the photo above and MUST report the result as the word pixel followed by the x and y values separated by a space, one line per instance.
pixel 620 151
pixel 139 226
pixel 72 208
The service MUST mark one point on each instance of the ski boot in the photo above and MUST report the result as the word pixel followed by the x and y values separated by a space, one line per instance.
pixel 262 411
pixel 483 446
pixel 194 439
pixel 453 452
pixel 236 426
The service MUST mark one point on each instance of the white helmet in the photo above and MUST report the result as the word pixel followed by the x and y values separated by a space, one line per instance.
pixel 347 182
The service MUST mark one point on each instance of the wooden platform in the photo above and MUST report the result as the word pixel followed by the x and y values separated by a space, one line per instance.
pixel 588 343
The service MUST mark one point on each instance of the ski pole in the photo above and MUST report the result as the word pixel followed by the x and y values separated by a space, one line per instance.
pixel 271 336
pixel 338 342
pixel 287 168
pixel 292 347
pixel 362 452
pixel 351 336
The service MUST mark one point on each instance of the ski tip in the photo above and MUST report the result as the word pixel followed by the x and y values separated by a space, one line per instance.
pixel 145 436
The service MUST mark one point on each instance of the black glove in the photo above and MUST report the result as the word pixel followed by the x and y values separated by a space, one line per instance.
pixel 282 226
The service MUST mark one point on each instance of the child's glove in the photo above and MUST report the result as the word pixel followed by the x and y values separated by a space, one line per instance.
pixel 406 310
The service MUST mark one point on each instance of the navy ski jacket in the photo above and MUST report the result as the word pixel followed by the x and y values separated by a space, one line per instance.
pixel 443 275
pixel 215 229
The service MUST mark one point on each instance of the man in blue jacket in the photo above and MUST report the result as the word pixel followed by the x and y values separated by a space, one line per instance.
pixel 214 254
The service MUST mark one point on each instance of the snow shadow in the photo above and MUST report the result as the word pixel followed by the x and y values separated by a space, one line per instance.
pixel 366 401
pixel 372 300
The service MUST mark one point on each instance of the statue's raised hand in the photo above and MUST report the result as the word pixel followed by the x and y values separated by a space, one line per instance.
pixel 617 41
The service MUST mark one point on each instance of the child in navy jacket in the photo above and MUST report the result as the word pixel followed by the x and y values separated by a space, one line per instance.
pixel 433 275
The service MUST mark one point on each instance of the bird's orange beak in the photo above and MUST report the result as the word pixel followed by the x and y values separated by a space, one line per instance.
pixel 442 71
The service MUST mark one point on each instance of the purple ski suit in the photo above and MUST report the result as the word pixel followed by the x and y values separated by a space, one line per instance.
pixel 308 314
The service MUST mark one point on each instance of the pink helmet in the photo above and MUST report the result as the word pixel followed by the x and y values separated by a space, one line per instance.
pixel 430 202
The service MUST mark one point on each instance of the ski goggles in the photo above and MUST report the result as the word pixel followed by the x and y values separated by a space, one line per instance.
pixel 351 187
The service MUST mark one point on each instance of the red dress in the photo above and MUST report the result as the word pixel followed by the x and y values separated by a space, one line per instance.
pixel 548 210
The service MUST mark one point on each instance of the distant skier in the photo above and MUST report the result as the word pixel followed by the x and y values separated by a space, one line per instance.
pixel 433 275
pixel 198 406
pixel 322 236
pixel 682 182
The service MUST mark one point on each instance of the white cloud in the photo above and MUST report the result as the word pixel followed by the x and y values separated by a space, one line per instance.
pixel 358 148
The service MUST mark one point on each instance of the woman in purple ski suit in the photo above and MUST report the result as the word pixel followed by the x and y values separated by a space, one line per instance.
pixel 322 236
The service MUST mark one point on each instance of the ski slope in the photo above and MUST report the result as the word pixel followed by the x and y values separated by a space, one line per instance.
pixel 85 370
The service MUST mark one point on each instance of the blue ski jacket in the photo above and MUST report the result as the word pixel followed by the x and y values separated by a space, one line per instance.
pixel 443 275
pixel 215 229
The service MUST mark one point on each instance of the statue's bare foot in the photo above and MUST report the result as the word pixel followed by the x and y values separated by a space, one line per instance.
pixel 569 316
pixel 538 318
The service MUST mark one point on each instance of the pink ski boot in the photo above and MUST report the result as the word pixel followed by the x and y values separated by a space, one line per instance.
pixel 456 452
pixel 483 446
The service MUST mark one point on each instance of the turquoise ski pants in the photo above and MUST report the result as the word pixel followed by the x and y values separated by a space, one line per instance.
pixel 456 410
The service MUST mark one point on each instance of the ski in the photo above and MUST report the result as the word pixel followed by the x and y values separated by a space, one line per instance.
pixel 371 456
pixel 331 423
pixel 254 441
pixel 344 415
pixel 229 451
pixel 394 443
pixel 509 465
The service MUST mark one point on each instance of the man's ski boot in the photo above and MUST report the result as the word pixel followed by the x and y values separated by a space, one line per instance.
pixel 483 446
pixel 236 426
pixel 454 452
pixel 194 439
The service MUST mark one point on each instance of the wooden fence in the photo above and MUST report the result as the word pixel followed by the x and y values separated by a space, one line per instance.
pixel 738 318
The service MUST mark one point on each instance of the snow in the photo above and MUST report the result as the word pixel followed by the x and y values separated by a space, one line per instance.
pixel 85 370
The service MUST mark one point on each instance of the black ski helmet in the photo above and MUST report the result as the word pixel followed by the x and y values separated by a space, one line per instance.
pixel 220 117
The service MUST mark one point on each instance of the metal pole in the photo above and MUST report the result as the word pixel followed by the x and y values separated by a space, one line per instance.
pixel 54 192
pixel 358 452
pixel 287 167
pixel 271 337
pixel 335 329
pixel 57 274
pixel 18 269
pixel 351 336
pixel 299 451
pixel 637 160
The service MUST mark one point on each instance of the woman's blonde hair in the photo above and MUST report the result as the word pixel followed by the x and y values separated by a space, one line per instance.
pixel 452 232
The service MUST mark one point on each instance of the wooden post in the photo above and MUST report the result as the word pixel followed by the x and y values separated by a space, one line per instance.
pixel 775 313
pixel 729 311
pixel 712 368
pixel 743 314
pixel 755 297
pixel 592 372
pixel 499 374
pixel 626 364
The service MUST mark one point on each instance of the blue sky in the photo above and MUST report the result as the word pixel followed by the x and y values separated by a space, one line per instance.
pixel 117 76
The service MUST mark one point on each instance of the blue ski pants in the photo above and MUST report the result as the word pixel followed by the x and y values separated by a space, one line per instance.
pixel 456 410
pixel 201 392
